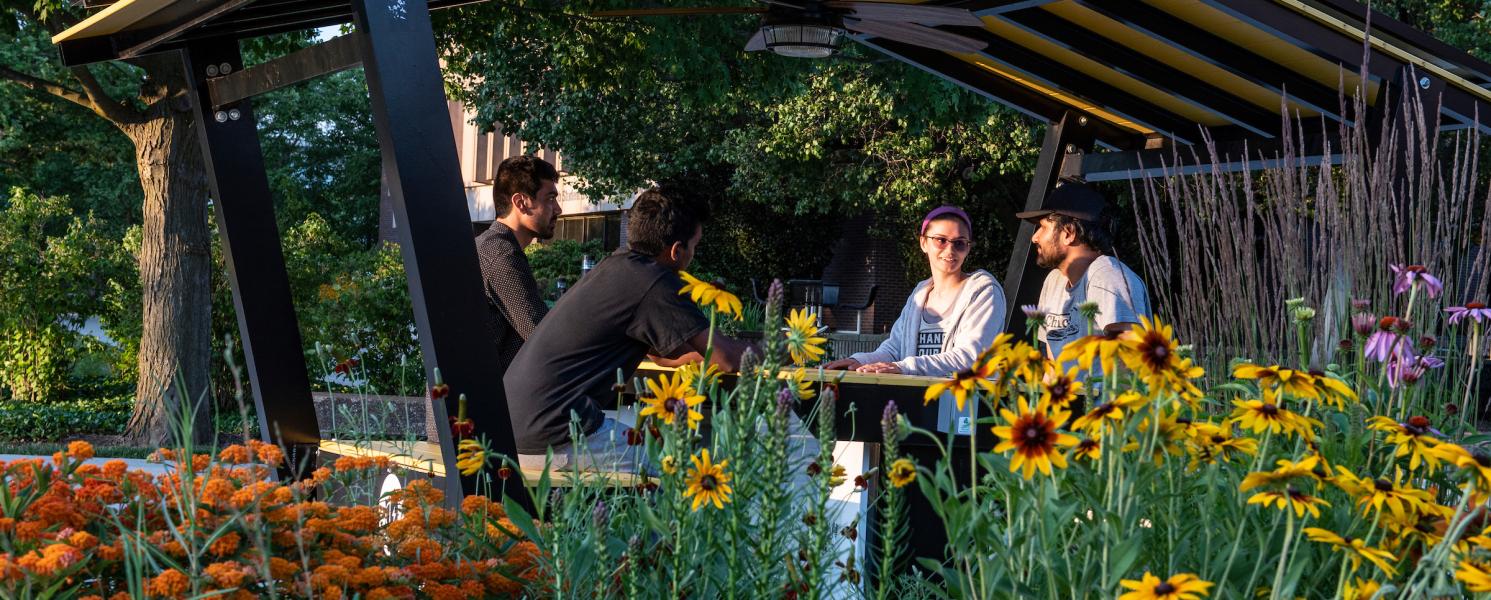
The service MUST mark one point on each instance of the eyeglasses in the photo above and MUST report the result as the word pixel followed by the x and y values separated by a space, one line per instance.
pixel 959 244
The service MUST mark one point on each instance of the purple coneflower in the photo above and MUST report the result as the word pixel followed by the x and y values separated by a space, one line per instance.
pixel 1408 369
pixel 1385 341
pixel 1475 311
pixel 1033 312
pixel 1407 276
pixel 1363 323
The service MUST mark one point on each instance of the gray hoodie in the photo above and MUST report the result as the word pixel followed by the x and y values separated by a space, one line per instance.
pixel 977 316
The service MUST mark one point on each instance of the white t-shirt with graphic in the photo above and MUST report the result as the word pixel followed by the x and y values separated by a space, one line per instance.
pixel 1120 295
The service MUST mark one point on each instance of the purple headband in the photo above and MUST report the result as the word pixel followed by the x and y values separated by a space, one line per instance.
pixel 946 210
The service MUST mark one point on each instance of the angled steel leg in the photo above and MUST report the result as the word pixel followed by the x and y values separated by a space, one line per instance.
pixel 272 346
pixel 424 180
pixel 1069 137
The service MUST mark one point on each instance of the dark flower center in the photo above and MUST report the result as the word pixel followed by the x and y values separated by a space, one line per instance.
pixel 1269 410
pixel 674 405
pixel 1059 389
pixel 1475 305
pixel 1034 435
pixel 1387 323
pixel 1415 268
pixel 707 483
pixel 1481 458
pixel 1111 335
pixel 1383 485
pixel 1317 373
pixel 1418 422
pixel 1164 588
pixel 1217 439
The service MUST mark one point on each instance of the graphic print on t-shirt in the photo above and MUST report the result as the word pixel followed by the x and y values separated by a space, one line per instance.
pixel 1060 327
pixel 928 342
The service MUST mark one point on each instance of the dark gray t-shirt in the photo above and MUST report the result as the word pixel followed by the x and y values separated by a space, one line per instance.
pixel 627 305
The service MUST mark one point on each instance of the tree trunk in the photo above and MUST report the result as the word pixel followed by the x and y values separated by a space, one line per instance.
pixel 175 266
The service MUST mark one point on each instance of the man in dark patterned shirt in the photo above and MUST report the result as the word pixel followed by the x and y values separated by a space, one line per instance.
pixel 526 197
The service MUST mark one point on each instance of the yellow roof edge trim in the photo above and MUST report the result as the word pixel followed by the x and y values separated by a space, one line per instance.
pixel 1383 45
pixel 1063 97
pixel 113 19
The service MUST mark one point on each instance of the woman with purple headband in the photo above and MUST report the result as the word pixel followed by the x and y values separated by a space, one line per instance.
pixel 949 318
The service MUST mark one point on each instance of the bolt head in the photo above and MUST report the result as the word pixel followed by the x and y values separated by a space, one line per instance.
pixel 1082 120
pixel 1424 82
pixel 1071 148
pixel 234 114
pixel 220 116
pixel 225 68
pixel 212 70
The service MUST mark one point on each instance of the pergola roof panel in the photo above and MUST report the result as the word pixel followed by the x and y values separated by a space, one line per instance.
pixel 1142 67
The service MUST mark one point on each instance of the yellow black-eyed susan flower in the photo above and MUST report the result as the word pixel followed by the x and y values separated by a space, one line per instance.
pixel 708 295
pixel 472 457
pixel 1266 415
pixel 901 472
pixel 1108 414
pixel 1101 349
pixel 968 381
pixel 1413 438
pixel 1183 586
pixel 1031 433
pixel 671 399
pixel 1290 498
pixel 1360 589
pixel 1059 389
pixel 1088 448
pixel 1150 350
pixel 1356 550
pixel 708 482
pixel 1375 494
pixel 1476 462
pixel 803 340
pixel 1475 573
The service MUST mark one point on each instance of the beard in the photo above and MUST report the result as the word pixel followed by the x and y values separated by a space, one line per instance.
pixel 1046 260
pixel 546 230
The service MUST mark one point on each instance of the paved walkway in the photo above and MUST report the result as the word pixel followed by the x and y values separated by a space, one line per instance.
pixel 134 463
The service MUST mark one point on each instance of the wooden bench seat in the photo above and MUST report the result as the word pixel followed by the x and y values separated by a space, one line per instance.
pixel 425 457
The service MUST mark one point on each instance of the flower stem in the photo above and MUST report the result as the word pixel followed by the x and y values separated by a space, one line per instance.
pixel 1283 555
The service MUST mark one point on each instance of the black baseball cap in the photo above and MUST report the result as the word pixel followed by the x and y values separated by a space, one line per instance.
pixel 1073 199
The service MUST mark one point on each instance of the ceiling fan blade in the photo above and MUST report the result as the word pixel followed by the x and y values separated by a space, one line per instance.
pixel 757 42
pixel 918 35
pixel 911 13
pixel 678 12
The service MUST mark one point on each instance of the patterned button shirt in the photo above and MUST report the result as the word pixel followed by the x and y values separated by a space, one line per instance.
pixel 514 305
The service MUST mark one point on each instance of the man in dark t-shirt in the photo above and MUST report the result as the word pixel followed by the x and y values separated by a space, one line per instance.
pixel 627 307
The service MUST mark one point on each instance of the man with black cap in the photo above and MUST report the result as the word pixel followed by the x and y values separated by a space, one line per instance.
pixel 1073 242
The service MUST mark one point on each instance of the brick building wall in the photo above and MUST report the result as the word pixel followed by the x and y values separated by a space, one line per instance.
pixel 860 260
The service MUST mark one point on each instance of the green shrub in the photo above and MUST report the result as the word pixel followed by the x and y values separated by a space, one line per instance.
pixel 560 260
pixel 58 420
pixel 57 266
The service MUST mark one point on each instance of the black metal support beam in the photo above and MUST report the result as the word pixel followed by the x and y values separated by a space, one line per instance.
pixel 1239 61
pixel 330 56
pixel 999 89
pixel 1250 155
pixel 424 176
pixel 272 346
pixel 1067 139
pixel 1148 70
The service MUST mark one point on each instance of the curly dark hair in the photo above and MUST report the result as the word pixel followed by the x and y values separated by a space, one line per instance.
pixel 1094 235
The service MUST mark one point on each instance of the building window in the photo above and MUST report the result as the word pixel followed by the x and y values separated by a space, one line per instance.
pixel 602 227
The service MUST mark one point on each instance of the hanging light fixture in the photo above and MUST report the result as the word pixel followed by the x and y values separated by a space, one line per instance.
pixel 804 36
